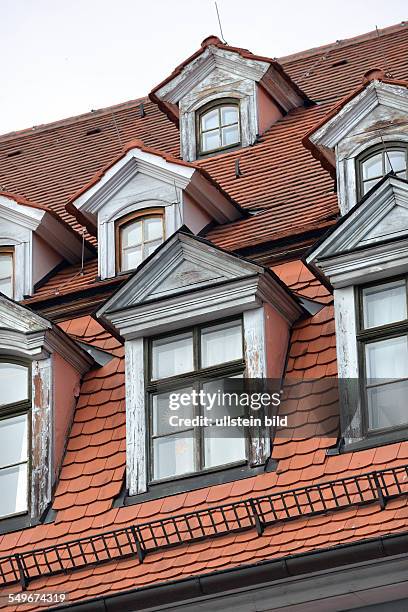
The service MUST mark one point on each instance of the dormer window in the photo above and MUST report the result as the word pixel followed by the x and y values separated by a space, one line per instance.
pixel 379 161
pixel 6 271
pixel 138 235
pixel 219 126
pixel 14 409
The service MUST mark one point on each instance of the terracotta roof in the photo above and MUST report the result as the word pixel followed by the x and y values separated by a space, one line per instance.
pixel 330 72
pixel 47 164
pixel 58 159
pixel 136 144
pixel 20 200
pixel 368 78
pixel 94 466
pixel 214 41
pixel 290 193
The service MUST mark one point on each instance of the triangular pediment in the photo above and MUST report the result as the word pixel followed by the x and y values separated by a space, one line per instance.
pixel 211 60
pixel 377 103
pixel 380 217
pixel 184 263
pixel 136 163
pixel 18 318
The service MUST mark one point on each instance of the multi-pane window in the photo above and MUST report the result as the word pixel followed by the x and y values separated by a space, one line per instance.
pixel 378 162
pixel 14 411
pixel 6 271
pixel 137 237
pixel 200 359
pixel 383 337
pixel 219 127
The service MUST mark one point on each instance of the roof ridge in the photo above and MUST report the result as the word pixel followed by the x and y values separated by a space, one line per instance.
pixel 343 43
pixel 99 112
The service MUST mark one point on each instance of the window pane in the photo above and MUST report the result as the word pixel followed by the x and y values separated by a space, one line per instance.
pixel 397 159
pixel 221 444
pixel 219 449
pixel 162 411
pixel 132 234
pixel 387 359
pixel 372 167
pixel 370 184
pixel 6 265
pixel 13 383
pixel 231 407
pixel 6 287
pixel 210 120
pixel 221 343
pixel 384 304
pixel 387 405
pixel 131 258
pixel 13 487
pixel 210 140
pixel 153 228
pixel 229 114
pixel 13 440
pixel 150 247
pixel 172 356
pixel 230 135
pixel 173 455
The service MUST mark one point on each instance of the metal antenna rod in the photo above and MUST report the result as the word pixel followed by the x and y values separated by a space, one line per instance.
pixel 83 252
pixel 219 23
pixel 386 152
pixel 386 69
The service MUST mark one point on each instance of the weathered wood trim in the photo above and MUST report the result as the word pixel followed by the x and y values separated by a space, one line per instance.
pixel 346 332
pixel 136 426
pixel 42 436
pixel 255 359
pixel 348 363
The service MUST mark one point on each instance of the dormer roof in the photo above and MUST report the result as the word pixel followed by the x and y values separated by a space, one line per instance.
pixel 214 53
pixel 45 223
pixel 369 240
pixel 136 157
pixel 184 265
pixel 351 110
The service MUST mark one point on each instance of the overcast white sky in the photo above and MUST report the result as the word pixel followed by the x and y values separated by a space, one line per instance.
pixel 64 57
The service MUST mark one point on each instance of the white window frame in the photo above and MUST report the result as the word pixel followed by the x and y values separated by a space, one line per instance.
pixel 136 415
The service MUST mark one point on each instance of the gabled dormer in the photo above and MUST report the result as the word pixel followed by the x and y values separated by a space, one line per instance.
pixel 194 315
pixel 33 241
pixel 40 372
pixel 364 137
pixel 222 97
pixel 140 199
pixel 365 259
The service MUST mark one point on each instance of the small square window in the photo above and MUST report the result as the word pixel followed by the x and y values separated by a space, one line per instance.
pixel 385 304
pixel 221 343
pixel 172 356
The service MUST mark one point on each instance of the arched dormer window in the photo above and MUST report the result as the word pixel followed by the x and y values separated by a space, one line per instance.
pixel 218 126
pixel 7 271
pixel 137 236
pixel 377 161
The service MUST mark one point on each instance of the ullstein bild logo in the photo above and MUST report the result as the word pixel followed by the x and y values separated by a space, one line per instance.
pixel 225 409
